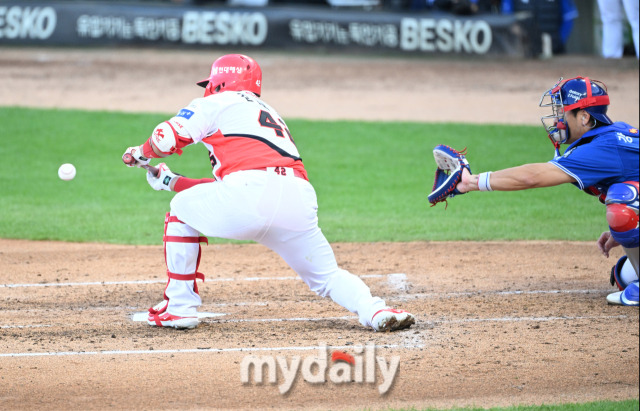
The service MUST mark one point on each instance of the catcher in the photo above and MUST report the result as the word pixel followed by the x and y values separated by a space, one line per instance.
pixel 601 159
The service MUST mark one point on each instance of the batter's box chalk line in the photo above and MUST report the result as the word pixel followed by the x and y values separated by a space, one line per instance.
pixel 393 279
pixel 142 316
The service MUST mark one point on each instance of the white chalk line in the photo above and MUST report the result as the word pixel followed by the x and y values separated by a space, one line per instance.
pixel 417 296
pixel 209 280
pixel 197 350
pixel 119 308
pixel 395 280
pixel 141 317
pixel 533 319
pixel 464 320
pixel 26 326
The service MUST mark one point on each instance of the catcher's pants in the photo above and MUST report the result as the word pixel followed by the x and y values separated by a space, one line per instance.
pixel 277 211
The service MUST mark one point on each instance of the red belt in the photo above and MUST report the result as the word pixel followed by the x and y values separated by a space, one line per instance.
pixel 296 173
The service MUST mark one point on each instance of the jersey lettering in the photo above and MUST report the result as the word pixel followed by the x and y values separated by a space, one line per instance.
pixel 241 132
pixel 267 121
pixel 626 139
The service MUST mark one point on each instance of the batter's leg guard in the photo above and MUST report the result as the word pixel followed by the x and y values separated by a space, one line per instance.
pixel 182 253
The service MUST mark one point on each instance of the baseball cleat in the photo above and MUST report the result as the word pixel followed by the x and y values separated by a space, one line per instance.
pixel 390 319
pixel 159 308
pixel 627 297
pixel 168 320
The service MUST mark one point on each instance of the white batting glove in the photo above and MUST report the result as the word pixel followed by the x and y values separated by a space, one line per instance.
pixel 136 152
pixel 163 180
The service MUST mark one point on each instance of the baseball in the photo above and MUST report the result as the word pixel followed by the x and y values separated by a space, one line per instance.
pixel 67 172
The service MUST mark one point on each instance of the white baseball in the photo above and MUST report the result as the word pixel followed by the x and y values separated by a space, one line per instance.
pixel 67 172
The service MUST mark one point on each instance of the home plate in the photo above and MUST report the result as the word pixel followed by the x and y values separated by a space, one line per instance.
pixel 142 317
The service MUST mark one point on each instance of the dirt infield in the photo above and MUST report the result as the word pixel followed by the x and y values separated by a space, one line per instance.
pixel 498 323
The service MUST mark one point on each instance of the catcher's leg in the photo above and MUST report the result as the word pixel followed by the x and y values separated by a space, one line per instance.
pixel 182 255
pixel 623 273
pixel 623 224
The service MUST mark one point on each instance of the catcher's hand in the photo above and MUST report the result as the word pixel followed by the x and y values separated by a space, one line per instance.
pixel 450 163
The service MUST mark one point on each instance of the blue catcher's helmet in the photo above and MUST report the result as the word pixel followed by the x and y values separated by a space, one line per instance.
pixel 574 93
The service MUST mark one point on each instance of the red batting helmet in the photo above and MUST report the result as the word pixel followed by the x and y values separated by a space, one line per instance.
pixel 234 72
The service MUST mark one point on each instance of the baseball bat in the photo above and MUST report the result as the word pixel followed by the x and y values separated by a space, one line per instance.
pixel 127 158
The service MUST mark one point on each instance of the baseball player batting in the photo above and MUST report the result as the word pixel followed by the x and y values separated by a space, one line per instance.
pixel 260 192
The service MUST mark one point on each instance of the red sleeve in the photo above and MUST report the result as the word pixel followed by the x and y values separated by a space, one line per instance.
pixel 147 150
pixel 182 183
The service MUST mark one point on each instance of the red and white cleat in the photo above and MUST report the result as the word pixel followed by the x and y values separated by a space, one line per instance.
pixel 390 319
pixel 168 320
pixel 159 308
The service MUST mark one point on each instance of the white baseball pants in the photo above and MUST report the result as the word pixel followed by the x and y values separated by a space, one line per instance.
pixel 613 20
pixel 277 211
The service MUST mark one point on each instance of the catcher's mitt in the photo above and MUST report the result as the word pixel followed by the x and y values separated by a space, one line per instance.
pixel 448 174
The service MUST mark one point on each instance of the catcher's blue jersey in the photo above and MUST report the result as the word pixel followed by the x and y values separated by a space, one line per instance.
pixel 602 157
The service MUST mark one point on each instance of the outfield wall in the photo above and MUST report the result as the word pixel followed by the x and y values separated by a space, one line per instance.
pixel 282 28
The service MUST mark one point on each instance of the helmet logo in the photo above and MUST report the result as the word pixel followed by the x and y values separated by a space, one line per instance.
pixel 575 95
pixel 258 83
pixel 226 70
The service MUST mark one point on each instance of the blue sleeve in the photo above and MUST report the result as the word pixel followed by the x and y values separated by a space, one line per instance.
pixel 593 163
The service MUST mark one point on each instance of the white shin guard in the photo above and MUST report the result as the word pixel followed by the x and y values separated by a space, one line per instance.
pixel 182 255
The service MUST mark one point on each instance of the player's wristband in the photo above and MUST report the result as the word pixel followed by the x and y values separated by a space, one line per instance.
pixel 483 181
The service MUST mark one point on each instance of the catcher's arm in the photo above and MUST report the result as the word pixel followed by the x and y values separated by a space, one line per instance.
pixel 523 177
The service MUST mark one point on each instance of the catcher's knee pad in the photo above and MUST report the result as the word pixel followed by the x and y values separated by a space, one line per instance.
pixel 623 273
pixel 182 250
pixel 622 213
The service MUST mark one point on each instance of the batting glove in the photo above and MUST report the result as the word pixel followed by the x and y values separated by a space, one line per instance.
pixel 136 152
pixel 164 178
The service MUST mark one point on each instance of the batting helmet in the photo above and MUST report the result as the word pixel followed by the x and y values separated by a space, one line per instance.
pixel 233 72
pixel 574 93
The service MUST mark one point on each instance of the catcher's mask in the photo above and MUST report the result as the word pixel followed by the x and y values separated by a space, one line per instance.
pixel 574 93
pixel 233 72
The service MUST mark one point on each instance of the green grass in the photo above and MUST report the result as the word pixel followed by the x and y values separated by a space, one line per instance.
pixel 628 405
pixel 372 180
